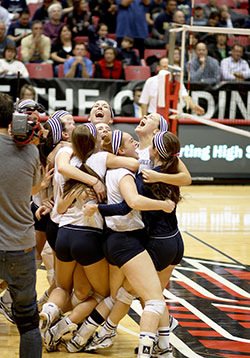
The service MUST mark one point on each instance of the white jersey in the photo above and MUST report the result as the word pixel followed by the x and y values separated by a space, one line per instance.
pixel 129 222
pixel 58 182
pixel 144 159
pixel 74 214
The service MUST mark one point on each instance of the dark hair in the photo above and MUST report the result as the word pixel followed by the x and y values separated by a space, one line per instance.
pixel 6 110
pixel 100 25
pixel 129 39
pixel 9 47
pixel 214 14
pixel 170 166
pixel 237 44
pixel 25 12
pixel 36 22
pixel 58 39
pixel 110 48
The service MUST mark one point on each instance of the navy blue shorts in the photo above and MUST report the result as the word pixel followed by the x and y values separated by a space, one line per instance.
pixel 120 247
pixel 165 251
pixel 40 225
pixel 51 232
pixel 80 243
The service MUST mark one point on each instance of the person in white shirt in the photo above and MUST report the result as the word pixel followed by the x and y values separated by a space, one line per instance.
pixel 9 66
pixel 148 97
pixel 234 68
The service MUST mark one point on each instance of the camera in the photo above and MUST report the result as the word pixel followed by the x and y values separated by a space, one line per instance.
pixel 23 128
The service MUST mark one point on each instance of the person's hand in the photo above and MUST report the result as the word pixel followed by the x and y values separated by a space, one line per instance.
pixel 47 175
pixel 202 61
pixel 89 209
pixel 44 209
pixel 150 176
pixel 78 60
pixel 168 206
pixel 103 45
pixel 199 110
pixel 100 190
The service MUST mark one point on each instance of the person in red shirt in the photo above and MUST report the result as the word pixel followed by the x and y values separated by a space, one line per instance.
pixel 109 67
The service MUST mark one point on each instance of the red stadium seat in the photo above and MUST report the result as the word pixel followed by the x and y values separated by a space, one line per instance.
pixel 229 3
pixel 60 71
pixel 241 11
pixel 82 39
pixel 33 7
pixel 243 40
pixel 154 52
pixel 136 72
pixel 40 70
pixel 19 55
pixel 244 4
pixel 112 36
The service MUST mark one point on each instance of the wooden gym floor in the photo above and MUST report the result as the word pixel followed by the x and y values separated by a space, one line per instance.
pixel 209 291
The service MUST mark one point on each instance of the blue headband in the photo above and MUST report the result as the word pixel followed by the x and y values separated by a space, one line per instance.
pixel 163 124
pixel 91 128
pixel 116 141
pixel 56 125
pixel 158 142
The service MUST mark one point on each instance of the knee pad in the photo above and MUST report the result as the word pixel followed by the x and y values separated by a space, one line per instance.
pixel 97 297
pixel 27 323
pixel 75 300
pixel 124 296
pixel 109 302
pixel 156 306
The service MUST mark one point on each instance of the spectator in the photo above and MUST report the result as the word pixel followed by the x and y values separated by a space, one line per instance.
pixel 220 49
pixel 42 12
pixel 211 7
pixel 9 66
pixel 51 28
pixel 27 92
pixel 213 21
pixel 4 40
pixel 193 40
pixel 149 94
pixel 234 68
pixel 178 18
pixel 203 67
pixel 98 41
pixel 78 66
pixel 36 46
pixel 109 67
pixel 62 48
pixel 4 16
pixel 162 21
pixel 14 7
pixel 21 28
pixel 199 15
pixel 185 7
pixel 155 8
pixel 79 18
pixel 126 54
pixel 132 108
pixel 106 11
pixel 131 21
pixel 225 17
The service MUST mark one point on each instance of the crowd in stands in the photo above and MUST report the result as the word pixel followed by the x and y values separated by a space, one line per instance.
pixel 97 38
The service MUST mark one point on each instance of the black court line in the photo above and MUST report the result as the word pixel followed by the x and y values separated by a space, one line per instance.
pixel 214 248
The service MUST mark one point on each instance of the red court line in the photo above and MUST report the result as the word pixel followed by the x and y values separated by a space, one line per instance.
pixel 202 333
pixel 232 309
pixel 238 273
pixel 226 345
pixel 233 355
pixel 193 291
pixel 188 316
pixel 178 308
pixel 219 284
pixel 245 324
pixel 194 324
pixel 239 317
